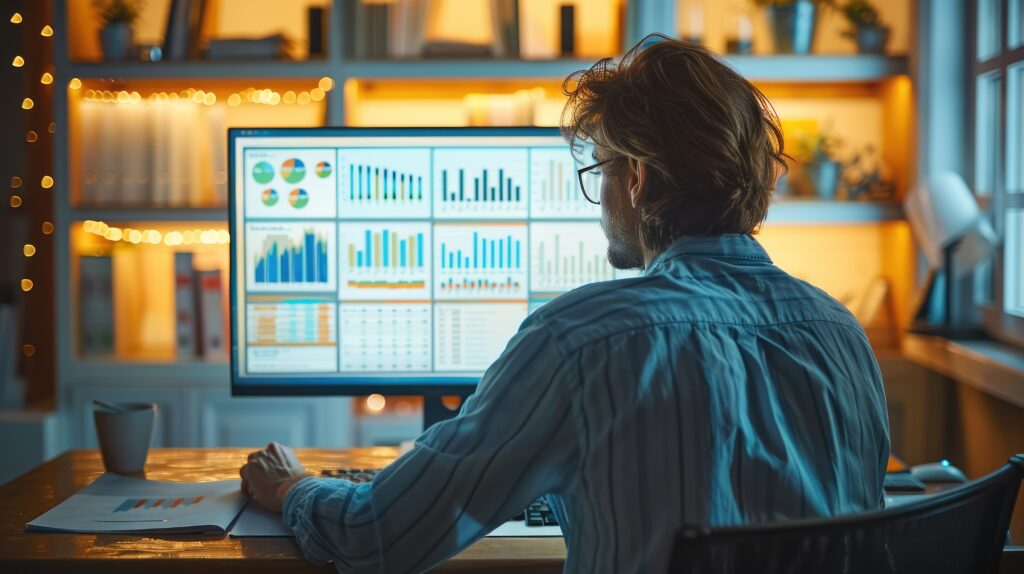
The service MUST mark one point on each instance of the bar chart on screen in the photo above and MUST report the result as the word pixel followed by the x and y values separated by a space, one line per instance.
pixel 470 336
pixel 291 333
pixel 382 261
pixel 555 189
pixel 296 257
pixel 393 183
pixel 385 337
pixel 480 261
pixel 290 184
pixel 567 255
pixel 480 183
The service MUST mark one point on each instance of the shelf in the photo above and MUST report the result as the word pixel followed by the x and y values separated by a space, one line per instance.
pixel 757 68
pixel 197 371
pixel 243 69
pixel 109 214
pixel 812 212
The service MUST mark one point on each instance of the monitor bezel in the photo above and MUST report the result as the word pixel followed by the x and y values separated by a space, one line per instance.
pixel 341 385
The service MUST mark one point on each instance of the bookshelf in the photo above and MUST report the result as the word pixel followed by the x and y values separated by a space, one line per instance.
pixel 880 82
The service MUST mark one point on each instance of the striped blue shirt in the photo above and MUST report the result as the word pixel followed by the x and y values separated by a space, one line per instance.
pixel 715 389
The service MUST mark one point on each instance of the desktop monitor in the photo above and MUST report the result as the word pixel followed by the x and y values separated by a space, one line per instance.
pixel 397 261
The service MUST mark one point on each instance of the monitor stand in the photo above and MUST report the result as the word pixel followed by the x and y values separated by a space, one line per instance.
pixel 434 410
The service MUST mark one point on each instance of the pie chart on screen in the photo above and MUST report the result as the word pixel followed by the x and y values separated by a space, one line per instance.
pixel 323 169
pixel 298 198
pixel 269 197
pixel 293 170
pixel 263 172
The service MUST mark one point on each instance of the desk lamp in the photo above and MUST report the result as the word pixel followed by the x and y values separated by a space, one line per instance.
pixel 955 237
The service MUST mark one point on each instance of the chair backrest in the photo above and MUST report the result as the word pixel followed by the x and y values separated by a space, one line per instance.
pixel 961 531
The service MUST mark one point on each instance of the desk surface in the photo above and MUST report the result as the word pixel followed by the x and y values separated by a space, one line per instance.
pixel 36 492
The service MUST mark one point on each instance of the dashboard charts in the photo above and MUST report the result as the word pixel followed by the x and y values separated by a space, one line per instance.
pixel 385 337
pixel 486 183
pixel 290 184
pixel 381 261
pixel 567 255
pixel 384 183
pixel 480 261
pixel 291 334
pixel 290 257
pixel 470 336
pixel 555 187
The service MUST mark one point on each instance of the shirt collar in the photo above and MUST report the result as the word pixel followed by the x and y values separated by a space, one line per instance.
pixel 727 246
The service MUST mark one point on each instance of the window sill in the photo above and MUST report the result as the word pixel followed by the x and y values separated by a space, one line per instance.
pixel 990 366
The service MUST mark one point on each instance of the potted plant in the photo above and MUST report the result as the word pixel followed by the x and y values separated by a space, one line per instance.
pixel 863 177
pixel 866 27
pixel 818 153
pixel 792 23
pixel 116 36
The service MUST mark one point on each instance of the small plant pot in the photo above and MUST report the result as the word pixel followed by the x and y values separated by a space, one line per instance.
pixel 792 27
pixel 872 39
pixel 825 178
pixel 116 41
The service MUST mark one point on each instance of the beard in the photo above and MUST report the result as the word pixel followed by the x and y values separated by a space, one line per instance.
pixel 620 222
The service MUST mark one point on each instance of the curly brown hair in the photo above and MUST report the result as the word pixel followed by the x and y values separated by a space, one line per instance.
pixel 711 140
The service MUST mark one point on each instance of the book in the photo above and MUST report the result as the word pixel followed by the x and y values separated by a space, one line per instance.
pixel 95 305
pixel 122 504
pixel 185 325
pixel 211 314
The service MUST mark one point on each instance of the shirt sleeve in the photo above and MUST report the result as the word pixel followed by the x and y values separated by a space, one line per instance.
pixel 513 441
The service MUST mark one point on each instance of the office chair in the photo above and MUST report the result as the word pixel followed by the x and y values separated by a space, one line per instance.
pixel 961 531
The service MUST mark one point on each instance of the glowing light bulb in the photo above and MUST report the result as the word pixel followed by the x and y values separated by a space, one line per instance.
pixel 289 97
pixel 52 128
pixel 303 98
pixel 234 100
pixel 46 32
pixel 31 136
pixel 46 79
pixel 376 402
pixel 75 84
pixel 26 285
pixel 15 182
pixel 326 84
pixel 27 104
pixel 29 250
pixel 16 18
pixel 15 201
pixel 46 182
pixel 210 98
pixel 134 97
pixel 47 228
pixel 18 62
pixel 316 94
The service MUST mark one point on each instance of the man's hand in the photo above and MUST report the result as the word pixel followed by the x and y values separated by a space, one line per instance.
pixel 270 473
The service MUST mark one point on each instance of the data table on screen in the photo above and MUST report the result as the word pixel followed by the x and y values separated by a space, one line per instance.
pixel 378 337
pixel 287 333
pixel 469 336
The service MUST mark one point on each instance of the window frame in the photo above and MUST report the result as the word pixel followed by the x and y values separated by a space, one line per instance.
pixel 996 321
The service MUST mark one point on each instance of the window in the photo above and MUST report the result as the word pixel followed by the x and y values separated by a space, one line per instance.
pixel 997 127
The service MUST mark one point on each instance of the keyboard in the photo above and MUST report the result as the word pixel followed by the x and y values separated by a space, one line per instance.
pixel 537 514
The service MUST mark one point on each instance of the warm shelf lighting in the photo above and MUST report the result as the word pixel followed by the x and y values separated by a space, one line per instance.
pixel 16 18
pixel 46 32
pixel 376 402
pixel 326 84
pixel 303 98
pixel 155 237
pixel 26 285
pixel 47 228
pixel 234 100
pixel 52 128
pixel 288 97
pixel 46 182
pixel 46 79
pixel 316 94
pixel 15 201
pixel 29 250
pixel 27 104
pixel 18 62
pixel 15 182
pixel 31 136
pixel 75 84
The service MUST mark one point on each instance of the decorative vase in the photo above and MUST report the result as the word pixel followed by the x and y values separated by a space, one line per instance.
pixel 824 177
pixel 872 39
pixel 116 40
pixel 793 26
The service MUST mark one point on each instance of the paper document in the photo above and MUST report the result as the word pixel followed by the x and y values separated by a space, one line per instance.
pixel 114 503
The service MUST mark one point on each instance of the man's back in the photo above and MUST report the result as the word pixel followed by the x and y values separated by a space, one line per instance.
pixel 715 389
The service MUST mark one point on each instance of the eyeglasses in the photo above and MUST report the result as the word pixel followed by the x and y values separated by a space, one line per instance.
pixel 588 169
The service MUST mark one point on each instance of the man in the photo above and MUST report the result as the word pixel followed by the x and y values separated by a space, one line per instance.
pixel 713 389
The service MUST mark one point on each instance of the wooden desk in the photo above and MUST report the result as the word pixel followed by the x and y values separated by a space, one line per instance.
pixel 36 492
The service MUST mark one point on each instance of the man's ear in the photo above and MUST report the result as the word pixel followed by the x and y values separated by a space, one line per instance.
pixel 637 181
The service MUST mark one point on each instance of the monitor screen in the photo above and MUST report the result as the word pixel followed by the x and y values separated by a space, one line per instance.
pixel 398 260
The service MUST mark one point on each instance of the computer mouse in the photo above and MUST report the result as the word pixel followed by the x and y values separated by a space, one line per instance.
pixel 941 471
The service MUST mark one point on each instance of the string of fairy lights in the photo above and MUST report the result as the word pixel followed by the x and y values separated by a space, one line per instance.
pixel 18 184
